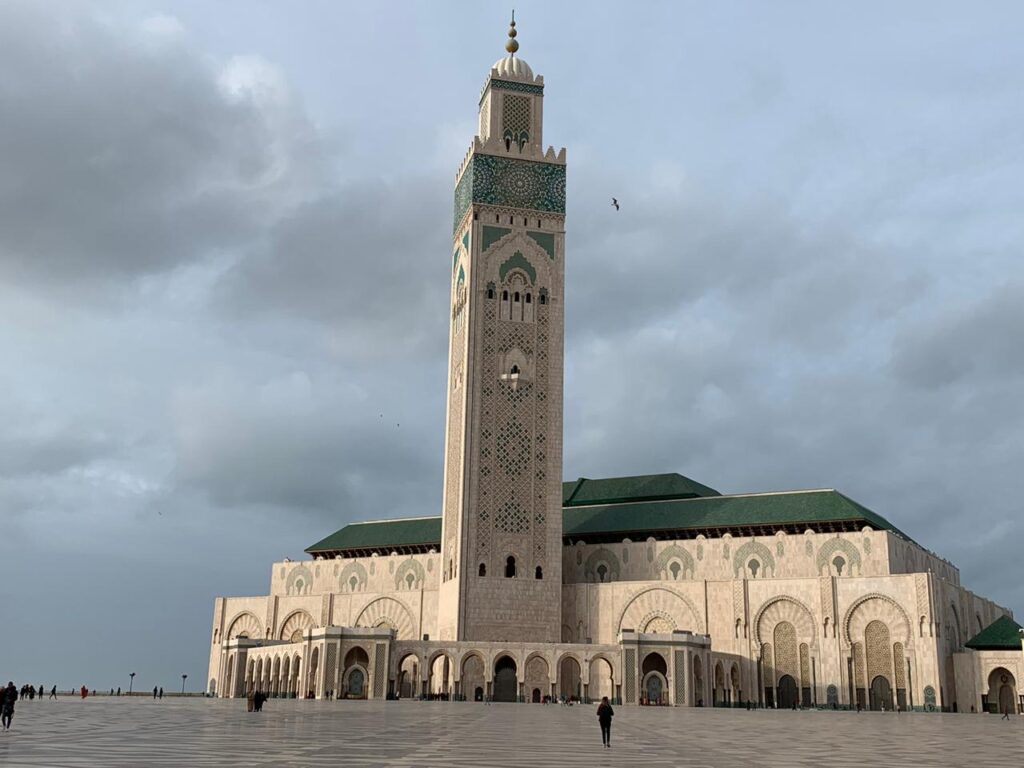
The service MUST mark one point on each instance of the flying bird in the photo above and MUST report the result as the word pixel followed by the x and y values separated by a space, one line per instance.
pixel 615 204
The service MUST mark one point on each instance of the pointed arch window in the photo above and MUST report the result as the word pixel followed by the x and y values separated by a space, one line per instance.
pixel 510 567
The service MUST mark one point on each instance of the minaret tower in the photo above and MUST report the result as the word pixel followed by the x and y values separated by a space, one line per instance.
pixel 502 532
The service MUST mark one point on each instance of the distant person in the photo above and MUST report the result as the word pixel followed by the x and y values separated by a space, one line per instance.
pixel 605 713
pixel 53 692
pixel 1006 713
pixel 8 698
pixel 154 691
pixel 119 690
pixel 84 691
pixel 161 693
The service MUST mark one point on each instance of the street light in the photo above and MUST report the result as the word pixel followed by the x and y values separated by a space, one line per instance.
pixel 183 684
pixel 131 683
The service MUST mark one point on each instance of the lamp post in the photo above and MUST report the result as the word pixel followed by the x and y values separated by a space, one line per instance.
pixel 131 683
pixel 183 684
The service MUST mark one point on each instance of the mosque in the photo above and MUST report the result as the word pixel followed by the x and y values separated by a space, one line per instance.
pixel 652 589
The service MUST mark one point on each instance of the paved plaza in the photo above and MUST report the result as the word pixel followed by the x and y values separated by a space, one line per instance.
pixel 218 732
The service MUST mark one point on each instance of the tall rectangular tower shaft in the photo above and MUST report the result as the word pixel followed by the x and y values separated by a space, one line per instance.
pixel 502 512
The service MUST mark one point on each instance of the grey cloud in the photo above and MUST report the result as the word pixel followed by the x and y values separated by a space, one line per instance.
pixel 125 153
pixel 980 341
pixel 326 448
pixel 366 260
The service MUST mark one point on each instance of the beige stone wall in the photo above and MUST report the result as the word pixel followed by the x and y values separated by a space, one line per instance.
pixel 866 553
pixel 981 674
pixel 831 619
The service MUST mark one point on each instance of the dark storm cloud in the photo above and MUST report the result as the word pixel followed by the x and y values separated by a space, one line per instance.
pixel 330 448
pixel 363 260
pixel 978 342
pixel 126 152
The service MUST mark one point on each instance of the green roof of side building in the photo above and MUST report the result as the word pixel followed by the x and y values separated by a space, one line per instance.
pixel 1001 635
pixel 649 505
pixel 409 532
pixel 613 490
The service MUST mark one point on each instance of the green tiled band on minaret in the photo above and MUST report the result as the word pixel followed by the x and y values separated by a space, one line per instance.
pixel 511 183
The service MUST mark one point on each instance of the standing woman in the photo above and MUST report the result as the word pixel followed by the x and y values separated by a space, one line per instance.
pixel 605 713
pixel 8 696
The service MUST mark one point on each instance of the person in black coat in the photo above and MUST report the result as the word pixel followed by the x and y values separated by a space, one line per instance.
pixel 8 698
pixel 605 713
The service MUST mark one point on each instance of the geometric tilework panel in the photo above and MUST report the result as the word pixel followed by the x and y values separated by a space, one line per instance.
pixel 680 692
pixel 899 665
pixel 879 658
pixel 329 667
pixel 511 85
pixel 379 671
pixel 786 659
pixel 630 675
pixel 515 117
pixel 517 183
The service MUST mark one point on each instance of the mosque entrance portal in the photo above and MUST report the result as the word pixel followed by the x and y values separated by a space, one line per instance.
pixel 787 692
pixel 505 683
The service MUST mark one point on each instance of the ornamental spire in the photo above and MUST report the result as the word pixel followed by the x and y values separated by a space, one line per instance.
pixel 512 45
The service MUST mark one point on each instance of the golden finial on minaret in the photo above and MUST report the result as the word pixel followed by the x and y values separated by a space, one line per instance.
pixel 512 45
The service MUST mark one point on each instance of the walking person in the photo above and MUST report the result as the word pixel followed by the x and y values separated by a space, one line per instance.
pixel 53 692
pixel 8 698
pixel 154 691
pixel 1006 713
pixel 605 713
pixel 161 693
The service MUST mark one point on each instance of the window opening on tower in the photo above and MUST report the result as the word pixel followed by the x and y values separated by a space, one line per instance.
pixel 510 567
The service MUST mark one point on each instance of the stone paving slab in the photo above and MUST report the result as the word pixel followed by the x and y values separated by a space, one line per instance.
pixel 71 733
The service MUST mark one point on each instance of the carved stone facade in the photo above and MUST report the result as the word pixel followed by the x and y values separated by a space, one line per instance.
pixel 502 528
pixel 503 599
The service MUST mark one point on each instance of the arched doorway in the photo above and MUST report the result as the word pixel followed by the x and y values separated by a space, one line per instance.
pixel 880 694
pixel 601 679
pixel 354 680
pixel 698 682
pixel 537 679
pixel 787 692
pixel 1002 691
pixel 655 679
pixel 505 683
pixel 569 681
pixel 314 665
pixel 442 677
pixel 231 674
pixel 719 690
pixel 408 677
pixel 472 682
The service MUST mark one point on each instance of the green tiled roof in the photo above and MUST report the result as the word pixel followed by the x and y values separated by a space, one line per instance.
pixel 614 490
pixel 1001 635
pixel 410 532
pixel 582 519
pixel 721 512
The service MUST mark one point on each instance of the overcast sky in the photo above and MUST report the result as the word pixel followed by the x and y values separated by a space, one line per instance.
pixel 224 253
